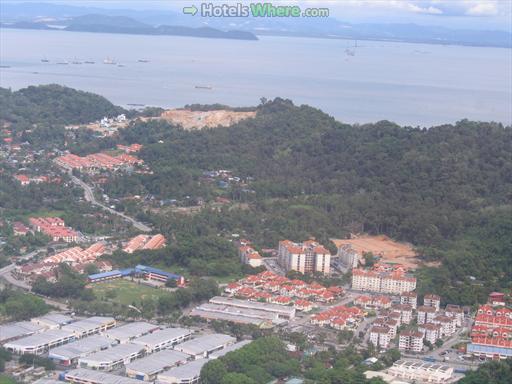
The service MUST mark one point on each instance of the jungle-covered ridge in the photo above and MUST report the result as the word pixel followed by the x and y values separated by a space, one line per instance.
pixel 446 189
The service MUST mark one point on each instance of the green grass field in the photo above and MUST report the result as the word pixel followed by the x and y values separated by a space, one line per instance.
pixel 126 292
pixel 6 380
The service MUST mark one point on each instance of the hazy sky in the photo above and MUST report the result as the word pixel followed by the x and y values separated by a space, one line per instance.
pixel 475 14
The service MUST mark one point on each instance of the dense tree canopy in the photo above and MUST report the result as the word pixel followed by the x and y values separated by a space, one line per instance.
pixel 53 104
pixel 21 306
pixel 438 188
pixel 494 372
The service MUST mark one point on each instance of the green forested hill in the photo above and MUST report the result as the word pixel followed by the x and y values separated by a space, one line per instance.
pixel 53 104
pixel 447 189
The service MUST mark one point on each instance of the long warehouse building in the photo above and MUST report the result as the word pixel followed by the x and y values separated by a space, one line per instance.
pixel 184 374
pixel 279 311
pixel 13 331
pixel 125 333
pixel 68 355
pixel 90 326
pixel 150 366
pixel 112 358
pixel 204 345
pixel 165 338
pixel 87 376
pixel 39 343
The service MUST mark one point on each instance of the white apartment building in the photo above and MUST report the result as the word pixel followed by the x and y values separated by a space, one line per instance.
pixel 410 341
pixel 448 324
pixel 380 336
pixel 410 298
pixel 393 327
pixel 383 282
pixel 250 256
pixel 425 314
pixel 432 301
pixel 348 256
pixel 456 312
pixel 405 311
pixel 306 257
pixel 432 332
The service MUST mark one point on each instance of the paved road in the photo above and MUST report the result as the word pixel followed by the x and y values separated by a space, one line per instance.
pixel 6 274
pixel 89 196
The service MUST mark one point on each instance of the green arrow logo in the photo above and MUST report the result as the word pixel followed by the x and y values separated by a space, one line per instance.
pixel 190 10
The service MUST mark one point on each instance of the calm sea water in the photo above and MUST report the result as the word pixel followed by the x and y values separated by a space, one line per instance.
pixel 413 84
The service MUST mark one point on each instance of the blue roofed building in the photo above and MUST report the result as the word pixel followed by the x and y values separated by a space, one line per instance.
pixel 158 274
pixel 140 270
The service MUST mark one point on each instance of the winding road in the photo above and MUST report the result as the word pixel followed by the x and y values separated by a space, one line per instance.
pixel 89 196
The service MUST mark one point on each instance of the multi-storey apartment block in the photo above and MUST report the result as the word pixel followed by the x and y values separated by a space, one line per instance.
pixel 405 311
pixel 432 301
pixel 448 324
pixel 431 331
pixel 411 341
pixel 410 298
pixel 385 282
pixel 425 314
pixel 306 257
pixel 380 336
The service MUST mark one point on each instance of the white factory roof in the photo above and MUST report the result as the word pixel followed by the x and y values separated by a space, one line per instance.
pixel 19 329
pixel 229 348
pixel 52 319
pixel 276 308
pixel 96 377
pixel 204 343
pixel 116 353
pixel 164 335
pixel 40 338
pixel 47 381
pixel 157 362
pixel 236 314
pixel 88 324
pixel 130 330
pixel 183 372
pixel 412 364
pixel 81 347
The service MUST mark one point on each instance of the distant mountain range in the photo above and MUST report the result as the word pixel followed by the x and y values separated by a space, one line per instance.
pixel 153 22
pixel 126 25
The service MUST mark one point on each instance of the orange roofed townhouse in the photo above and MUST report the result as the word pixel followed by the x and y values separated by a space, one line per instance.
pixel 491 335
pixel 96 161
pixel 54 227
pixel 145 242
pixel 306 257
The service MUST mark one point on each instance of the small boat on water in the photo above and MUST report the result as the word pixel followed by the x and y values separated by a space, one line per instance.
pixel 109 61
pixel 143 61
pixel 209 87
pixel 76 61
pixel 89 62
pixel 63 62
pixel 45 60
pixel 120 65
